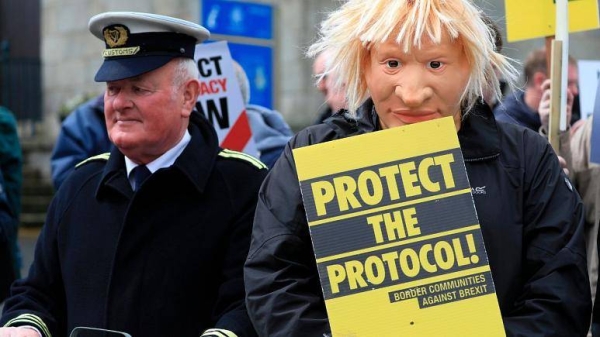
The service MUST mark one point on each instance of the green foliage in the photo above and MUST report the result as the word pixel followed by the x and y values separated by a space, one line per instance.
pixel 70 104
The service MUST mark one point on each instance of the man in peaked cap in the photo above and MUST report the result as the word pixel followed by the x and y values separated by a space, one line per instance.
pixel 150 238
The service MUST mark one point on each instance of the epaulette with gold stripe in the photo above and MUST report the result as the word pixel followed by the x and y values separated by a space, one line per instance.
pixel 32 320
pixel 103 156
pixel 225 153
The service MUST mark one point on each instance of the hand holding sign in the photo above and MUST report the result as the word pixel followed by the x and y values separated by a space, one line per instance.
pixel 544 108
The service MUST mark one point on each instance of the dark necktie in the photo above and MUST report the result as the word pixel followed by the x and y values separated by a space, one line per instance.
pixel 140 174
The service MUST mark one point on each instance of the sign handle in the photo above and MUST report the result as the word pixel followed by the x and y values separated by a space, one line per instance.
pixel 562 34
pixel 555 87
pixel 558 66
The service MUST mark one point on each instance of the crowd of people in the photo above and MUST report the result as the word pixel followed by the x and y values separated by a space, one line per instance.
pixel 155 230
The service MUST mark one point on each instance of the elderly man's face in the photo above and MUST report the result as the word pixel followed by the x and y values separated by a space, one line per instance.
pixel 422 85
pixel 146 115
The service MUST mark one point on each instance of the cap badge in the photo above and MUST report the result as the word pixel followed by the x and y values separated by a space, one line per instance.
pixel 115 35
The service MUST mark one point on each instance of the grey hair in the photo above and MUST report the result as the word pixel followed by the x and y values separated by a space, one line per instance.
pixel 243 82
pixel 185 70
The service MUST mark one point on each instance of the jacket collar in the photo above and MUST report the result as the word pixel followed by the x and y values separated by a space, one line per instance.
pixel 195 162
pixel 345 125
pixel 478 134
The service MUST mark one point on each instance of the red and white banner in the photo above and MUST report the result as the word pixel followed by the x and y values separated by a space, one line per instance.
pixel 220 99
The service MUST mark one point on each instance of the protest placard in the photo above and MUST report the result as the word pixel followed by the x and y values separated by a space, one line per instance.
pixel 220 99
pixel 589 77
pixel 396 237
pixel 537 18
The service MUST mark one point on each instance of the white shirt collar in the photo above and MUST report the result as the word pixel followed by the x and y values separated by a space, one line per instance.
pixel 167 159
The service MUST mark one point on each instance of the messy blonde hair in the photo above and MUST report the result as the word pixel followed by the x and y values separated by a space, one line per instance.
pixel 351 31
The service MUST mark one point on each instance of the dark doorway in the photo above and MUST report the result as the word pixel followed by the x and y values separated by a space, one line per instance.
pixel 20 66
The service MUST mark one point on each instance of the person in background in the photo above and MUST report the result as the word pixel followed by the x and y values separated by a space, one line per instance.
pixel 269 130
pixel 586 177
pixel 335 99
pixel 82 135
pixel 522 106
pixel 531 108
pixel 573 156
pixel 11 167
pixel 489 96
pixel 405 62
pixel 151 238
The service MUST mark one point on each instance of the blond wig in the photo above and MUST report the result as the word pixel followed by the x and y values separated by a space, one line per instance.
pixel 352 30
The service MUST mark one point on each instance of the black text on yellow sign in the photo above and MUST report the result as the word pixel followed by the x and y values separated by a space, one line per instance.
pixel 446 291
pixel 392 183
pixel 374 229
pixel 403 263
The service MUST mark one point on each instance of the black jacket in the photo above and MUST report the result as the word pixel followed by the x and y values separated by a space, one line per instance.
pixel 165 260
pixel 532 223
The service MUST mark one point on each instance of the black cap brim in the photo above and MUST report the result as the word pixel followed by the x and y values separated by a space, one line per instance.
pixel 121 68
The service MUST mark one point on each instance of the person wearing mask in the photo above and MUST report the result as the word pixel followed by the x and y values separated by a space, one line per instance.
pixel 405 62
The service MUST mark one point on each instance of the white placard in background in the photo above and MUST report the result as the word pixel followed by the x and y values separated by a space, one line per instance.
pixel 589 73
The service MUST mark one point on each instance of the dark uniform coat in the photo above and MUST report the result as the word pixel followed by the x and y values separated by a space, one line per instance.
pixel 531 219
pixel 165 260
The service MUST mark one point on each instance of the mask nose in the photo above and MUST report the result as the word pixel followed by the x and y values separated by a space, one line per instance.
pixel 413 95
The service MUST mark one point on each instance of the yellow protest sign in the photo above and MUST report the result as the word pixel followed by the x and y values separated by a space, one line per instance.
pixel 537 18
pixel 396 237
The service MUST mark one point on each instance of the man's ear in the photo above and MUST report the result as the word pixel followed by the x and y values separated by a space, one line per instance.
pixel 538 78
pixel 191 90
